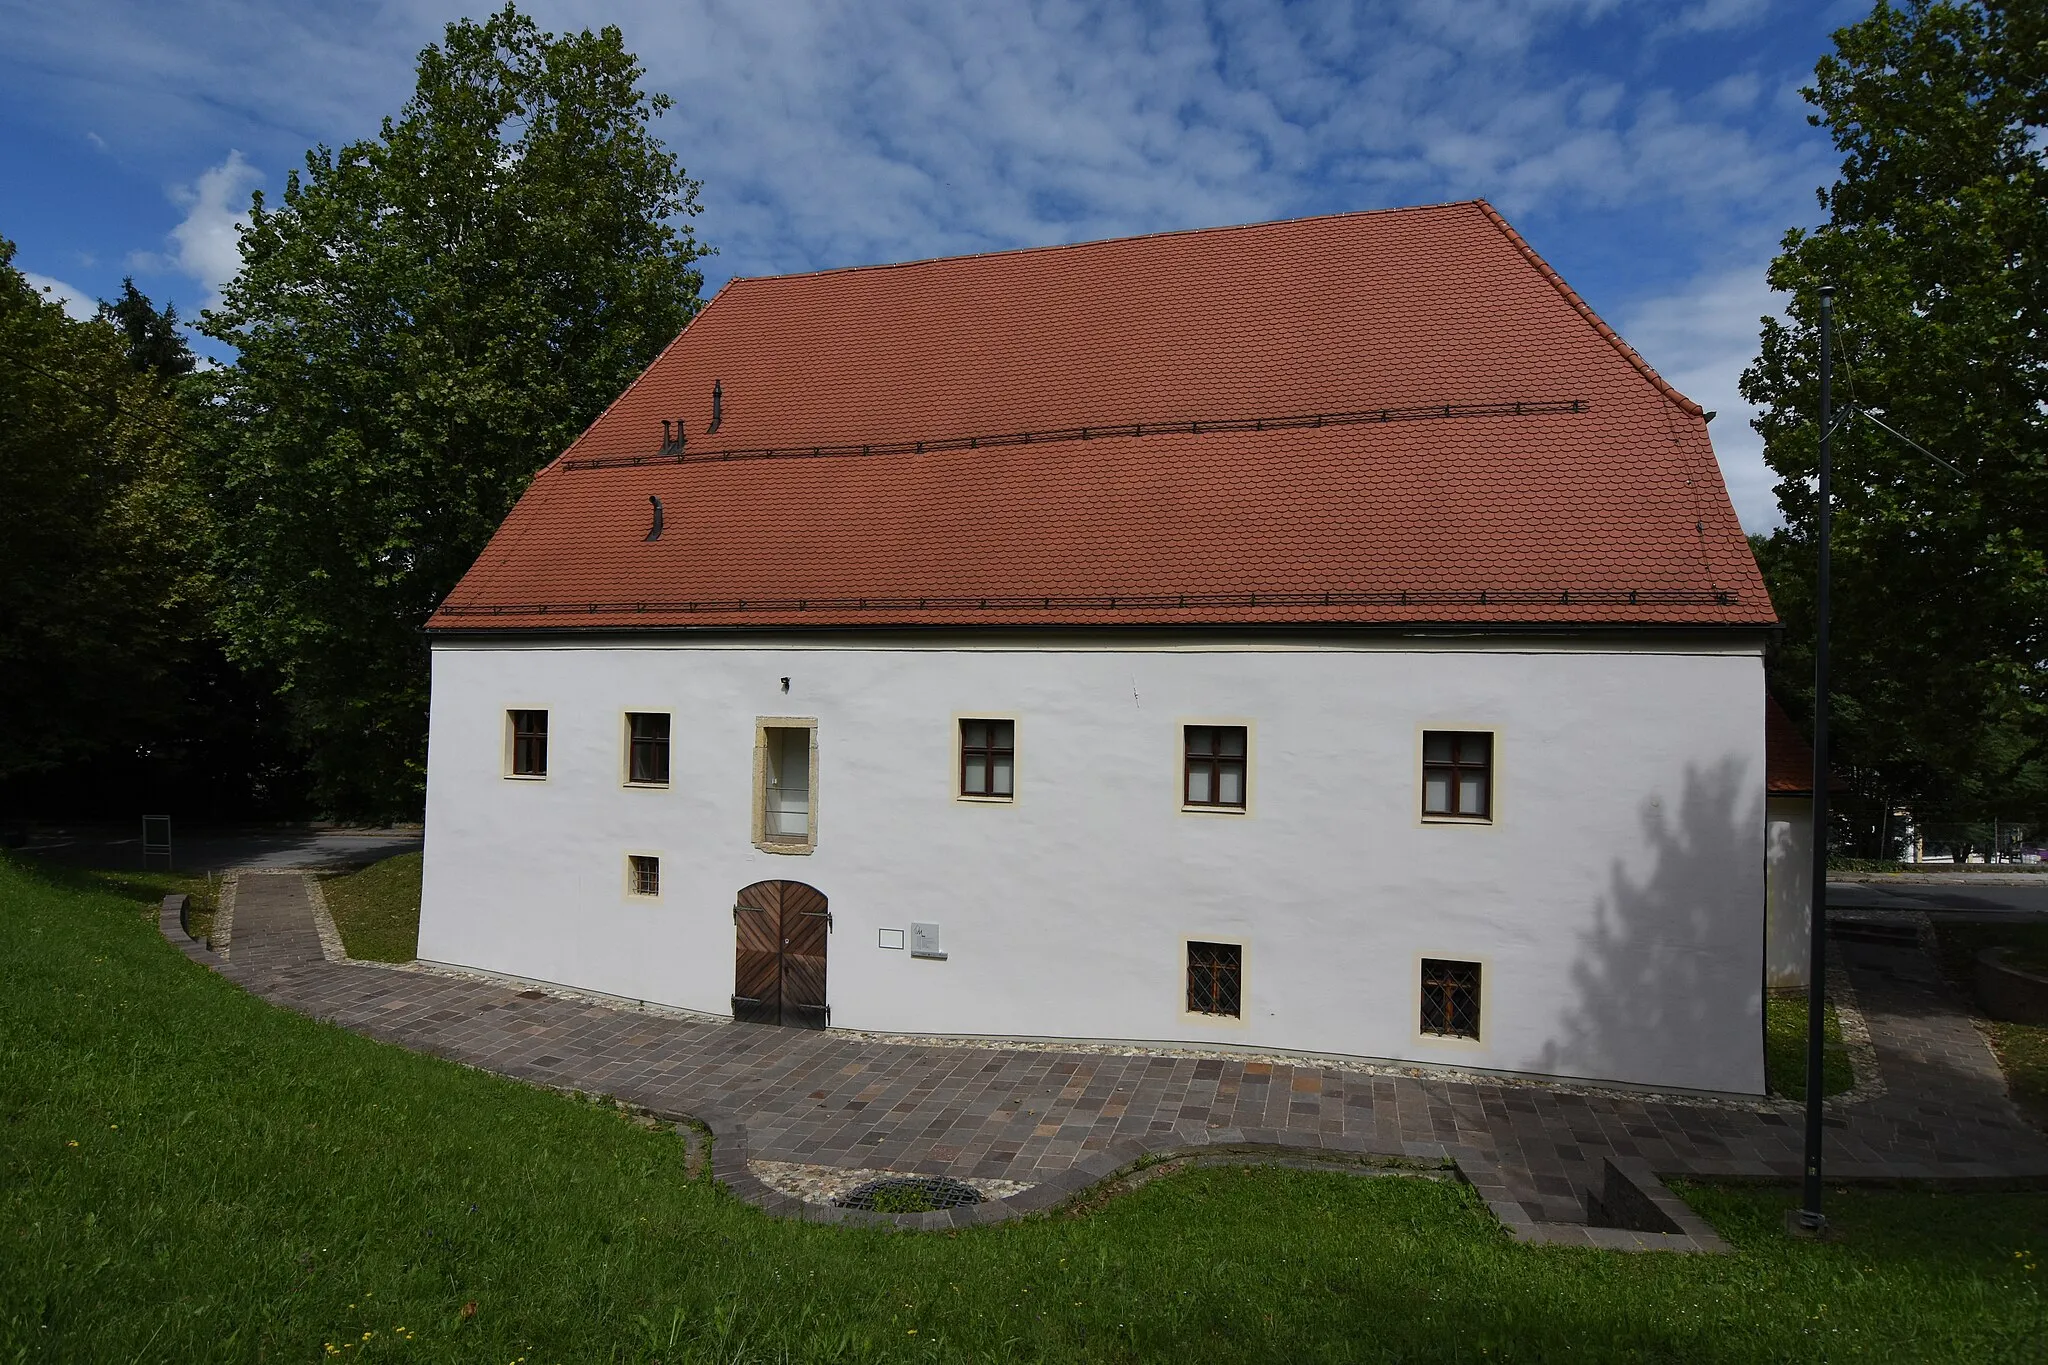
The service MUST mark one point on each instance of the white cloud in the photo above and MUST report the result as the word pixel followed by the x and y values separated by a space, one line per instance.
pixel 1701 338
pixel 205 244
pixel 77 303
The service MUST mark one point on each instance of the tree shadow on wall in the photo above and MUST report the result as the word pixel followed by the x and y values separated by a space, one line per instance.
pixel 1668 980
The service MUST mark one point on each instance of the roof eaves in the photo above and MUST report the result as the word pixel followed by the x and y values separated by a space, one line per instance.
pixel 1571 296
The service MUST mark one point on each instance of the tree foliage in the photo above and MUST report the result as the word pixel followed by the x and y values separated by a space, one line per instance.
pixel 154 342
pixel 1936 241
pixel 425 319
pixel 102 588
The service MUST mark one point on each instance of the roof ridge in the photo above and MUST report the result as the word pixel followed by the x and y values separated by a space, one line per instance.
pixel 1102 241
pixel 1571 296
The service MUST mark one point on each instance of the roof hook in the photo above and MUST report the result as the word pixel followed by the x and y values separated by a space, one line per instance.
pixel 717 405
pixel 654 531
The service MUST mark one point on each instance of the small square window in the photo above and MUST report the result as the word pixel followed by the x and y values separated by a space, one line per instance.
pixel 1215 978
pixel 988 758
pixel 1215 766
pixel 643 874
pixel 1457 774
pixel 647 748
pixel 1450 998
pixel 529 744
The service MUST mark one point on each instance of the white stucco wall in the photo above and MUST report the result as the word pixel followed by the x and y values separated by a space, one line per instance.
pixel 1789 894
pixel 1615 901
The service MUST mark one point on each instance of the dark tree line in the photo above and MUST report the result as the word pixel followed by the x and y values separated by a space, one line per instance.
pixel 1936 241
pixel 193 560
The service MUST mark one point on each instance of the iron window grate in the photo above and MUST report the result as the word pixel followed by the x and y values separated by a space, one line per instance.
pixel 1450 998
pixel 646 874
pixel 1215 978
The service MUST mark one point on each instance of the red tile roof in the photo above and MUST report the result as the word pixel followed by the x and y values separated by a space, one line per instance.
pixel 1788 758
pixel 1392 417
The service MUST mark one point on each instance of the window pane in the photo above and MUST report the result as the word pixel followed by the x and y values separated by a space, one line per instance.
pixel 1002 783
pixel 1198 785
pixel 974 734
pixel 1436 793
pixel 1230 741
pixel 1436 747
pixel 1471 793
pixel 1002 733
pixel 1201 740
pixel 974 774
pixel 1230 784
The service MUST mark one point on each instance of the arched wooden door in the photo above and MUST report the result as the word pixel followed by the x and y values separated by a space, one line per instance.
pixel 779 937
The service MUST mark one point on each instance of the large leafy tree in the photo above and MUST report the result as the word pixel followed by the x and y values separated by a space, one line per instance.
pixel 426 318
pixel 1936 241
pixel 102 587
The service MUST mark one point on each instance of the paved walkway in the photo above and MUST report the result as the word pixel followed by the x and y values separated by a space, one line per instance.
pixel 1065 1119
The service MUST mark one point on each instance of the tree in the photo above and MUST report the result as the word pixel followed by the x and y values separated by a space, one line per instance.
pixel 425 319
pixel 154 342
pixel 101 574
pixel 1936 240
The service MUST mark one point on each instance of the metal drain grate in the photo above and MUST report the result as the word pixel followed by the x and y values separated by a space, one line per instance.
pixel 910 1194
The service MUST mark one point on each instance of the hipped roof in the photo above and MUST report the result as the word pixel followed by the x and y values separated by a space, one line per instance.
pixel 1398 417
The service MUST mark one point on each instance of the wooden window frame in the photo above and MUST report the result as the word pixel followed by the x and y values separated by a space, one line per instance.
pixel 761 839
pixel 665 743
pixel 518 742
pixel 1215 760
pixel 1437 1015
pixel 634 884
pixel 1453 769
pixel 961 751
pixel 1196 988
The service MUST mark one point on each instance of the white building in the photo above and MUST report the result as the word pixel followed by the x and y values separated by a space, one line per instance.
pixel 1321 636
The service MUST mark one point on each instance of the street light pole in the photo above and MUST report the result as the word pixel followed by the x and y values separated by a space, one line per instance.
pixel 1810 1217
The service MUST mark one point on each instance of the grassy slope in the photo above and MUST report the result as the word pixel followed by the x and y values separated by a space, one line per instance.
pixel 377 910
pixel 2022 1048
pixel 1785 1049
pixel 189 1174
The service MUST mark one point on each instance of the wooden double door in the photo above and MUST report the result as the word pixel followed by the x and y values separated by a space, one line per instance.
pixel 780 932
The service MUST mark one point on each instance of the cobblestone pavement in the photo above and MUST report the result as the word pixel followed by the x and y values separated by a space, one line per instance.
pixel 1061 1120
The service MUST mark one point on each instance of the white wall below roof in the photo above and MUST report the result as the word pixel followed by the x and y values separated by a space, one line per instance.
pixel 1789 895
pixel 1616 901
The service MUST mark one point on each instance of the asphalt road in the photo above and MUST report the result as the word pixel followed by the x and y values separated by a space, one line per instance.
pixel 202 850
pixel 1958 896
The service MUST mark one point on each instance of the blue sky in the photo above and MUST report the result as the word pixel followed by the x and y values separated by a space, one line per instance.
pixel 1654 152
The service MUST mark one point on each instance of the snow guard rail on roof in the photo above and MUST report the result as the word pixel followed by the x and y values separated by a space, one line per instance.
pixel 1187 427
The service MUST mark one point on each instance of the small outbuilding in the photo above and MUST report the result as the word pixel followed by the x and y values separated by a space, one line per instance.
pixel 1324 637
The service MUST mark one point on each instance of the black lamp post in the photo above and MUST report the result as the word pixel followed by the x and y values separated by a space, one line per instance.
pixel 1809 1218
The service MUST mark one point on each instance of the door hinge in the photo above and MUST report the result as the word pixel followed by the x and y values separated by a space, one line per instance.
pixel 827 916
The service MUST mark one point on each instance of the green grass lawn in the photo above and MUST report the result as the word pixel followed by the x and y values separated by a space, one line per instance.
pixel 2022 1048
pixel 1785 1049
pixel 377 909
pixel 193 1175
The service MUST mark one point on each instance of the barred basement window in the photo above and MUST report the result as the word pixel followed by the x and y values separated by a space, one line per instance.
pixel 1215 978
pixel 529 743
pixel 643 874
pixel 1450 998
pixel 647 748
pixel 988 757
pixel 1457 773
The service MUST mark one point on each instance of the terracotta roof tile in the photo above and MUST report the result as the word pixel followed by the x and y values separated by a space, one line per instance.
pixel 1600 502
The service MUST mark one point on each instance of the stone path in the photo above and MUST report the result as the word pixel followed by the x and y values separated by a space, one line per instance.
pixel 1060 1121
